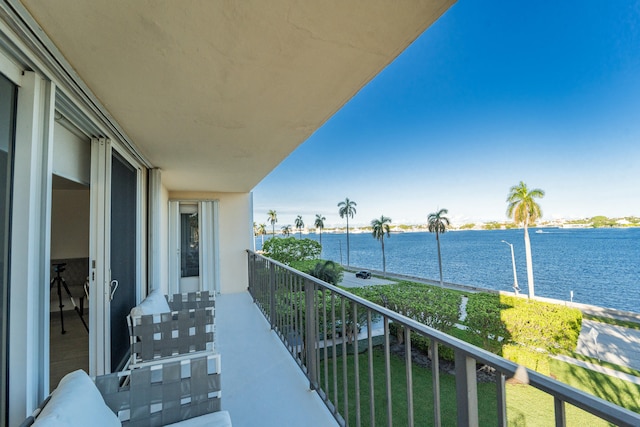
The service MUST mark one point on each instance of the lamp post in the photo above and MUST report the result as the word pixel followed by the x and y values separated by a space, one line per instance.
pixel 513 262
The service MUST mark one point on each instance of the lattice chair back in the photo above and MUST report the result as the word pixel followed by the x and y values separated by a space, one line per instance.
pixel 164 393
pixel 192 300
pixel 189 328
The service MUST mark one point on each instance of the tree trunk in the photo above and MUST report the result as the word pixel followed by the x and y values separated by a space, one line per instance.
pixel 348 240
pixel 439 259
pixel 527 250
pixel 384 261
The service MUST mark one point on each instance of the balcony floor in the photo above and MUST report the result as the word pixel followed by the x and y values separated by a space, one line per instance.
pixel 261 383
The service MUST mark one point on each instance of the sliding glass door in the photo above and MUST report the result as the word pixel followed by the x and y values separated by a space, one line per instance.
pixel 193 246
pixel 124 259
pixel 7 122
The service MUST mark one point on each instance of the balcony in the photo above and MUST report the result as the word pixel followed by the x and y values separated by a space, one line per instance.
pixel 262 384
pixel 370 385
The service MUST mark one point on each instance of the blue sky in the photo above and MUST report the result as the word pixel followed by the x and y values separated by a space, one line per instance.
pixel 491 94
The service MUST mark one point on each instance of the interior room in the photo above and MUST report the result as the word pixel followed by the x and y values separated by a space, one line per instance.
pixel 70 207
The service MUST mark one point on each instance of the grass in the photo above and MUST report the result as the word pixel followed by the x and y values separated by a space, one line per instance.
pixel 609 388
pixel 526 406
pixel 422 392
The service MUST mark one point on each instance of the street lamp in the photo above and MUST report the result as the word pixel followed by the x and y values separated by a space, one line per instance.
pixel 513 262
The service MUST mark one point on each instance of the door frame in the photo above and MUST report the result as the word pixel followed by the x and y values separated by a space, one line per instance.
pixel 100 248
pixel 209 253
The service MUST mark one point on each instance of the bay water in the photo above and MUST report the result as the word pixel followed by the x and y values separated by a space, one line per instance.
pixel 601 266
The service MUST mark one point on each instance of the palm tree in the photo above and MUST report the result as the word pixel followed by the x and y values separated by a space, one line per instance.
pixel 272 217
pixel 380 227
pixel 328 272
pixel 524 210
pixel 348 209
pixel 262 230
pixel 320 224
pixel 299 224
pixel 286 230
pixel 438 223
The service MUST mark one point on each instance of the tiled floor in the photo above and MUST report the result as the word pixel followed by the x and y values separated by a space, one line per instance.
pixel 261 383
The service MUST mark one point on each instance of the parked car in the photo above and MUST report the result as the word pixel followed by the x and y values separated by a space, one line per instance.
pixel 363 275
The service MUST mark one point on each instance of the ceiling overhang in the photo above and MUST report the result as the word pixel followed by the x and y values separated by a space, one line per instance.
pixel 218 93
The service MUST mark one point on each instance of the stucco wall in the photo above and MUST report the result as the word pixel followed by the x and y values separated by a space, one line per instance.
pixel 235 235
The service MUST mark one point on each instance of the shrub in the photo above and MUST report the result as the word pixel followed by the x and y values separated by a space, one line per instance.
pixel 531 326
pixel 433 306
pixel 305 266
pixel 484 319
pixel 530 358
pixel 421 343
pixel 289 249
pixel 327 271
pixel 430 305
pixel 541 326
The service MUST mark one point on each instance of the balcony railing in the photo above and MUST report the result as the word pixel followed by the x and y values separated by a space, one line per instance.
pixel 325 329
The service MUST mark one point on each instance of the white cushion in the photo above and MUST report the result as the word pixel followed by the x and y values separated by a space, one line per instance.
pixel 76 402
pixel 154 303
pixel 214 419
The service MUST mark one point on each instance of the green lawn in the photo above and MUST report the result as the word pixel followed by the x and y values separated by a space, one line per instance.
pixel 614 390
pixel 526 406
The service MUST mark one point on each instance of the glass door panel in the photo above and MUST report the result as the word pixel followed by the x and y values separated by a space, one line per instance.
pixel 123 256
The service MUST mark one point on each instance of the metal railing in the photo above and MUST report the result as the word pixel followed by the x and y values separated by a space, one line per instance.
pixel 332 335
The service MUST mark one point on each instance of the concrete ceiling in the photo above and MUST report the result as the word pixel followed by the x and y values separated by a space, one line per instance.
pixel 218 93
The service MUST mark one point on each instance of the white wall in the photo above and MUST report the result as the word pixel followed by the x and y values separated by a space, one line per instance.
pixel 71 155
pixel 235 235
pixel 70 224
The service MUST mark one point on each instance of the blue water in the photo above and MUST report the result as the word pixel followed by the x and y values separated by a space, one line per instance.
pixel 600 266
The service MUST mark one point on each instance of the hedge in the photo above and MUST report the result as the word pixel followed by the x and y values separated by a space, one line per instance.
pixel 541 326
pixel 430 305
pixel 529 329
pixel 484 319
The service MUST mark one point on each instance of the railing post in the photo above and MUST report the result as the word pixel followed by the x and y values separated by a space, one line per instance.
pixel 501 399
pixel 561 418
pixel 249 267
pixel 435 381
pixel 466 390
pixel 310 338
pixel 251 287
pixel 272 295
pixel 409 373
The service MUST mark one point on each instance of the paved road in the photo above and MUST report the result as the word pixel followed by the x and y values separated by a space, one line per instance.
pixel 351 281
pixel 610 343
